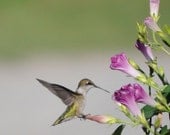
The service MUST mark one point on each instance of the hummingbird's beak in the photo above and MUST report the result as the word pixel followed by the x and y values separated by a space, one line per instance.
pixel 101 88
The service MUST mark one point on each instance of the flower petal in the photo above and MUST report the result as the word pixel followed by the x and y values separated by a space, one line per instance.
pixel 125 96
pixel 120 62
pixel 103 119
pixel 141 96
pixel 145 50
pixel 154 7
pixel 150 23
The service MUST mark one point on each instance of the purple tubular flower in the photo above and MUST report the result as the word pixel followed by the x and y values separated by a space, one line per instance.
pixel 120 62
pixel 145 50
pixel 154 7
pixel 141 96
pixel 126 97
pixel 131 94
pixel 150 23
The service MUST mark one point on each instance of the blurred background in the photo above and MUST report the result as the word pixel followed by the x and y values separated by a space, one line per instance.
pixel 63 41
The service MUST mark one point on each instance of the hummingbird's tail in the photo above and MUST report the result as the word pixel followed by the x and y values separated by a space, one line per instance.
pixel 62 119
pixel 58 121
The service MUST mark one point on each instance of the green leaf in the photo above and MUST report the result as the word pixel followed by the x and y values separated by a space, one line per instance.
pixel 149 111
pixel 166 28
pixel 166 93
pixel 119 130
pixel 165 131
pixel 142 33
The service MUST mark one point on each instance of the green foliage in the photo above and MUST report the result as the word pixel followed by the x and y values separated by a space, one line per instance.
pixel 119 130
pixel 149 111
pixel 166 93
pixel 165 131
pixel 35 26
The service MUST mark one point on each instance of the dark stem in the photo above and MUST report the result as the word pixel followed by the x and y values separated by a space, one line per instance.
pixel 164 82
pixel 163 79
pixel 151 71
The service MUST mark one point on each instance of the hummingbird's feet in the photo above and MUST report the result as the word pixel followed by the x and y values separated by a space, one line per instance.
pixel 83 116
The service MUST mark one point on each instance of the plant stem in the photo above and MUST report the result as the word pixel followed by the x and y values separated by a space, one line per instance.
pixel 150 93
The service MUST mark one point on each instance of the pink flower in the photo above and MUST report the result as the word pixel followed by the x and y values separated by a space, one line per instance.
pixel 125 96
pixel 103 119
pixel 154 7
pixel 120 62
pixel 145 50
pixel 141 96
pixel 131 94
pixel 150 23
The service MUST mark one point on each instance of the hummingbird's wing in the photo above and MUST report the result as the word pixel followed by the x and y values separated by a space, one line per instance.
pixel 66 95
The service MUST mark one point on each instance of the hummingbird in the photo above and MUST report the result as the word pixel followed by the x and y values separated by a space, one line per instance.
pixel 75 101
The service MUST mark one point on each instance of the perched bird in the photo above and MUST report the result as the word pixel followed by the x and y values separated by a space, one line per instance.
pixel 75 101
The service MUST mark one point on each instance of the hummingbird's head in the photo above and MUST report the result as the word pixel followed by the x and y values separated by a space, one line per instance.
pixel 86 84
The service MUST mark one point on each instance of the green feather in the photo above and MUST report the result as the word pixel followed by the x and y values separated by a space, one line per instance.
pixel 69 114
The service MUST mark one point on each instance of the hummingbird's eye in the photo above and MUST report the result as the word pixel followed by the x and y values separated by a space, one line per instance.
pixel 89 83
